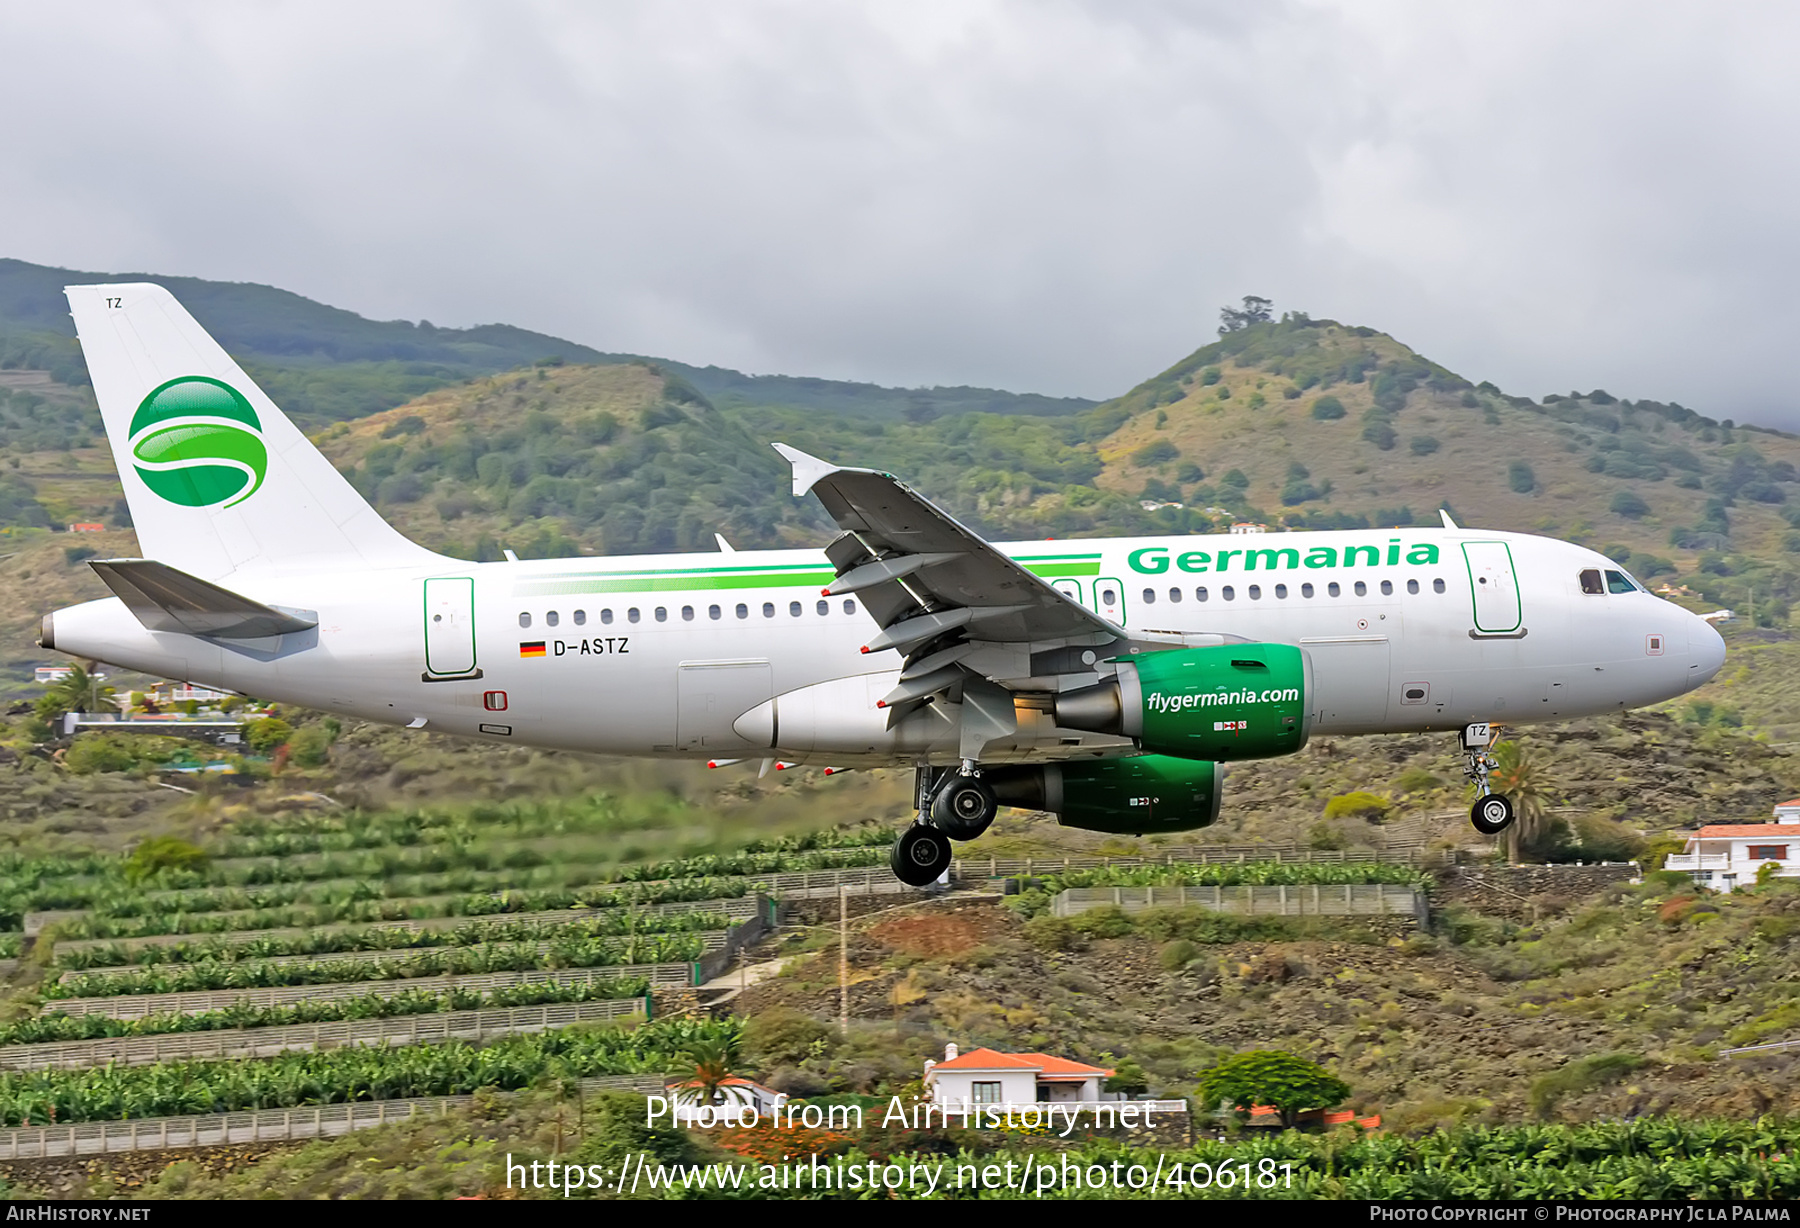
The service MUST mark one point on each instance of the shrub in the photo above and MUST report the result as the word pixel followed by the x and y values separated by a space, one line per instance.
pixel 309 746
pixel 1103 923
pixel 1418 780
pixel 1328 409
pixel 1158 452
pixel 1627 503
pixel 1178 954
pixel 1521 478
pixel 1424 445
pixel 1210 376
pixel 163 853
pixel 1049 933
pixel 93 752
pixel 1381 435
pixel 1291 1084
pixel 783 1036
pixel 1358 805
pixel 1236 479
pixel 1580 1075
pixel 266 733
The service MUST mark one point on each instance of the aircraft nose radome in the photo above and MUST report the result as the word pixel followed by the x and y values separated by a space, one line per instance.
pixel 1706 651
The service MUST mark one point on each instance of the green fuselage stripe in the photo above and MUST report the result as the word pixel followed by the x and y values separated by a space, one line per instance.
pixel 786 575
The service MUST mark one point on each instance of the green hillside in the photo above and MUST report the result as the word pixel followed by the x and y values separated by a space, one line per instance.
pixel 1309 423
pixel 326 364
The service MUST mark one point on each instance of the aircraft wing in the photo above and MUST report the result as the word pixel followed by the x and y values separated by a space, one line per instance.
pixel 949 602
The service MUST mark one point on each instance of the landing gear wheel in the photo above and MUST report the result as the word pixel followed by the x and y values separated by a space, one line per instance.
pixel 964 807
pixel 1492 814
pixel 920 856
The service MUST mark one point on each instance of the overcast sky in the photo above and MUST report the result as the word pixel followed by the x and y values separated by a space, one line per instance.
pixel 1048 197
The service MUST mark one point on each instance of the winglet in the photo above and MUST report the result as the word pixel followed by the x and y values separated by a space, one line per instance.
pixel 1448 523
pixel 725 547
pixel 807 469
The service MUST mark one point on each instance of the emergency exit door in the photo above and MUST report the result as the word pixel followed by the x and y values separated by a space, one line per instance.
pixel 450 628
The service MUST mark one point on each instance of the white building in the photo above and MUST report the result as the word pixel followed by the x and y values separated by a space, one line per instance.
pixel 735 1099
pixel 1725 856
pixel 984 1076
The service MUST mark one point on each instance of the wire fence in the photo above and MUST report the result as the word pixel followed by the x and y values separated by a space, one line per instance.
pixel 710 941
pixel 736 909
pixel 194 1002
pixel 261 1126
pixel 337 1034
pixel 1308 900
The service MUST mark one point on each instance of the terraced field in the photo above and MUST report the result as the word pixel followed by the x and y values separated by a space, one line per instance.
pixel 348 958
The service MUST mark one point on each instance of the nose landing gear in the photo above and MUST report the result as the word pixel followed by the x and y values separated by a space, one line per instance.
pixel 1492 812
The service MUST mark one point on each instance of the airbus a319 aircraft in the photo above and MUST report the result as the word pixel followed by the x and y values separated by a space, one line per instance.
pixel 1105 681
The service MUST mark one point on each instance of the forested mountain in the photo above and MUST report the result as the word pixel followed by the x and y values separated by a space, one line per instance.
pixel 325 364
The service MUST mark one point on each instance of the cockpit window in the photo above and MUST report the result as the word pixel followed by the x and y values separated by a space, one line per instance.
pixel 1590 581
pixel 1619 582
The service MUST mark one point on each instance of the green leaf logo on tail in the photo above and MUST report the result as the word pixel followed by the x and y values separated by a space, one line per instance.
pixel 198 443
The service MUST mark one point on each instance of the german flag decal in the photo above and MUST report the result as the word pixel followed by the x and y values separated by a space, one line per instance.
pixel 533 649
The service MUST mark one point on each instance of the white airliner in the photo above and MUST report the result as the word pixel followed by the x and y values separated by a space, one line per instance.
pixel 1102 680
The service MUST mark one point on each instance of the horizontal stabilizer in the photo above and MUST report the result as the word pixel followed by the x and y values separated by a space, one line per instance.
pixel 164 599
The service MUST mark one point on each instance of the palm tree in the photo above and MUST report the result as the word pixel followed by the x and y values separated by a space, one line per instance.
pixel 713 1060
pixel 1521 777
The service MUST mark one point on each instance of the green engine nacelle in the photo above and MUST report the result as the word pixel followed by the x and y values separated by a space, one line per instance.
pixel 1139 796
pixel 1226 702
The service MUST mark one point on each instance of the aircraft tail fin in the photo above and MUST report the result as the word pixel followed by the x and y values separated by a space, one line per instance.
pixel 217 479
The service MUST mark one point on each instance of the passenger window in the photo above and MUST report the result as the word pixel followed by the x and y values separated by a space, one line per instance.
pixel 524 620
pixel 631 615
pixel 1619 582
pixel 849 607
pixel 581 618
pixel 1256 592
pixel 824 608
pixel 1590 581
pixel 606 617
pixel 1437 586
pixel 550 619
pixel 1229 593
pixel 1281 591
pixel 768 609
pixel 743 611
pixel 1109 597
pixel 1200 594
pixel 713 612
pixel 1362 590
pixel 1334 590
pixel 1412 586
pixel 1175 596
pixel 1149 596
pixel 1306 590
pixel 793 609
pixel 1387 588
pixel 662 614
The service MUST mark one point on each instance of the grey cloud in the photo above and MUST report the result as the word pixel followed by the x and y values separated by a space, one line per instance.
pixel 1046 197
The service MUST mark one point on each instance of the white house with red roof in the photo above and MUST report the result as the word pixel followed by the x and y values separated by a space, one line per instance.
pixel 1725 856
pixel 984 1076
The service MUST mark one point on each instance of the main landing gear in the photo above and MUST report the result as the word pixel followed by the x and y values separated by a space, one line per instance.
pixel 1492 812
pixel 953 805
